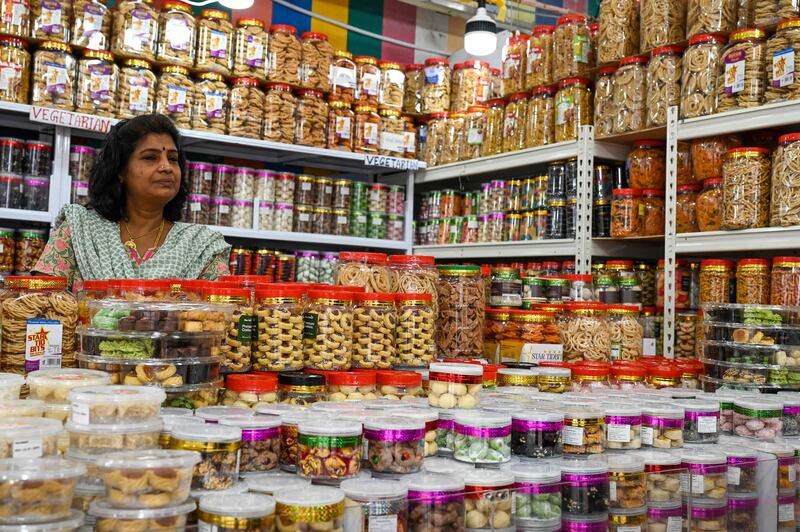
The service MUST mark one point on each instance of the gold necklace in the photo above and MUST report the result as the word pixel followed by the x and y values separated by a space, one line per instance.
pixel 131 242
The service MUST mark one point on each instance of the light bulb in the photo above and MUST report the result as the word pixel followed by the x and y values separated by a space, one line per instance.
pixel 480 38
pixel 237 4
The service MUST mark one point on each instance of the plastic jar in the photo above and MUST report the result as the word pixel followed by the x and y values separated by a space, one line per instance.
pixel 367 129
pixel 250 47
pixel 744 87
pixel 283 55
pixel 436 86
pixel 539 68
pixel 246 108
pixel 135 30
pixel 454 385
pixel 701 420
pixel 392 133
pixel 494 119
pixel 653 200
pixel 604 111
pixel 211 102
pixel 459 329
pixel 785 281
pixel 571 47
pixel 709 205
pixel 647 164
pixel 514 124
pixel 328 346
pixel 759 419
pixel 341 120
pixel 705 476
pixel 583 431
pixel 415 329
pixel 372 503
pixel 395 445
pixel 328 451
pixel 741 472
pixel 97 83
pixel 54 66
pixel 699 76
pixel 629 93
pixel 752 281
pixel 315 61
pixel 553 380
pixel 536 434
pixel 219 448
pixel 573 108
pixel 584 487
pixel 537 495
pixel 540 121
pixel 445 432
pixel 586 322
pixel 300 388
pixel 716 276
pixel 236 511
pixel 311 119
pixel 374 324
pixel 663 73
pixel 686 209
pixel 279 113
pixel 15 20
pixel 177 33
pixel 368 80
pixel 745 189
pixel 16 61
pixel 482 439
pixel 311 507
pixel 173 98
pixel 627 213
pixel 431 495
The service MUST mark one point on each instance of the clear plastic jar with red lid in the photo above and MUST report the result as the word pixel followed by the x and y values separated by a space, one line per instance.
pixel 604 110
pixel 284 53
pixel 709 205
pixel 716 281
pixel 630 89
pixel 368 80
pixel 573 107
pixel 436 86
pixel 746 174
pixel 311 119
pixel 627 377
pixel 627 213
pixel 315 61
pixel 653 199
pixel 572 47
pixel 647 164
pixel 752 281
pixel 785 281
pixel 686 209
pixel 587 379
pixel 663 376
pixel 350 386
pixel 399 385
pixel 699 78
pixel 250 390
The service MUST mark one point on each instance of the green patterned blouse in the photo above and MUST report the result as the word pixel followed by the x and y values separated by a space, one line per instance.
pixel 86 246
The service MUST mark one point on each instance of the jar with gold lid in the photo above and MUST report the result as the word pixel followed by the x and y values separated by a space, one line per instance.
pixel 214 42
pixel 135 29
pixel 573 108
pixel 493 132
pixel 392 133
pixel 54 76
pixel 343 76
pixel 514 125
pixel 15 63
pixel 367 132
pixel 91 24
pixel 540 120
pixel 176 38
pixel 246 108
pixel 97 83
pixel 51 20
pixel 210 103
pixel 250 49
pixel 14 18
pixel 454 133
pixel 474 129
pixel 368 80
pixel 412 97
pixel 410 138
pixel 174 95
pixel 392 86
pixel 137 88
pixel 341 121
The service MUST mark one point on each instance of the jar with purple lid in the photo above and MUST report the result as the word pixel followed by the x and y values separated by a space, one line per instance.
pixel 436 496
pixel 220 212
pixel 395 227
pixel 306 266
pixel 396 199
pixel 265 185
pixel 705 475
pixel 260 442
pixel 81 161
pixel 395 445
pixel 786 515
pixel 36 191
pixel 662 426
pixel 266 216
pixel 284 216
pixel 80 193
pixel 11 186
pixel 536 434
pixel 701 420
pixel 222 183
pixel 537 495
pixel 244 183
pixel 497 196
pixel 585 488
pixel 197 209
pixel 242 213
pixel 446 432
pixel 200 178
pixel 708 516
pixel 483 438
pixel 497 221
pixel 585 523
pixel 741 474
pixel 668 517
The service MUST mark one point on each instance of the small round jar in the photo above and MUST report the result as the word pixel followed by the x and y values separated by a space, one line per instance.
pixel 626 480
pixel 300 388
pixel 446 432
pixel 537 494
pixel 515 377
pixel 701 420
pixel 489 500
pixel 742 510
pixel 623 427
pixel 759 419
pixel 372 503
pixel 624 519
pixel 662 426
pixel 584 487
pixel 328 451
pixel 583 431
pixel 663 472
pixel 536 434
pixel 627 213
pixel 398 385
pixel 115 405
pixel 791 413
pixel 250 390
pixel 260 442
pixel 590 378
pixel 482 439
pixel 200 177
pixel 219 448
pixel 752 281
pixel 741 472
pixel 310 508
pixel 435 498
pixel 705 476
pixel 350 386
pixel 455 385
pixel 236 511
pixel 395 445
pixel 553 380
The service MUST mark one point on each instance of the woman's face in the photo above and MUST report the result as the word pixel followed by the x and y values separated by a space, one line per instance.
pixel 153 175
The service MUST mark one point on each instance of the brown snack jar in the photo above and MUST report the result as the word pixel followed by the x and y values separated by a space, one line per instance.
pixel 135 29
pixel 177 33
pixel 341 120
pixel 343 76
pixel 573 108
pixel 214 42
pixel 250 49
pixel 604 111
pixel 410 138
pixel 716 276
pixel 16 64
pixel 392 139
pixel 280 106
pixel 630 88
pixel 412 95
pixel 746 176
pixel 284 55
pixel 647 164
pixel 91 24
pixel 367 132
pixel 475 128
pixel 136 93
pixel 53 76
pixel 539 70
pixel 315 61
pixel 436 86
pixel 210 103
pixel 686 209
pixel 785 281
pixel 368 80
pixel 571 47
pixel 752 281
pixel 627 213
pixel 97 83
pixel 174 95
pixel 246 108
pixel 393 82
pixel 540 121
pixel 709 205
pixel 653 199
pixel 311 121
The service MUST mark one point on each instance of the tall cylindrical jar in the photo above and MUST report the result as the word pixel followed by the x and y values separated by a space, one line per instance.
pixel 604 111
pixel 785 281
pixel 493 133
pixel 514 63
pixel 699 75
pixel 214 42
pixel 573 108
pixel 412 95
pixel 54 76
pixel 135 29
pixel 250 49
pixel 473 88
pixel 176 39
pixel 280 106
pixel 137 89
pixel 629 94
pixel 781 84
pixel 462 299
pixel 91 25
pixel 246 108
pixel 540 120
pixel 392 133
pixel 663 83
pixel 745 189
pixel 343 76
pixel 474 130
pixel 174 95
pixel 367 129
pixel 15 62
pixel 718 17
pixel 752 281
pixel 51 20
pixel 284 52
pixel 571 47
pixel 15 18
pixel 279 343
pixel 311 119
pixel 514 126
pixel 328 345
pixel 661 24
pixel 436 86
pixel 539 70
pixel 368 80
pixel 315 61
pixel 742 71
pixel 619 30
pixel 785 182
pixel 210 103
pixel 392 85
pixel 716 281
pixel 341 120
pixel 97 83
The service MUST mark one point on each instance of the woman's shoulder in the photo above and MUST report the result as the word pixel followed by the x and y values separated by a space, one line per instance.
pixel 76 214
pixel 202 234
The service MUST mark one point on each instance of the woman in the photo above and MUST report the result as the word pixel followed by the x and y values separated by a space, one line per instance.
pixel 130 230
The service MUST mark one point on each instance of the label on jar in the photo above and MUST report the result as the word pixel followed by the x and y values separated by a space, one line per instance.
pixel 706 424
pixel 99 81
pixel 783 67
pixel 612 490
pixel 342 220
pixel 214 102
pixel 395 77
pixel 17 9
pixel 27 448
pixel 647 435
pixel 482 90
pixel 139 32
pixel 218 44
pixel 55 77
pixel 370 133
pixel 510 124
pixel 310 320
pixel 697 484
pixel 306 186
pixel 734 475
pixel 254 51
pixel 409 142
pixel 534 55
pixel 734 71
pixel 195 206
pixel 648 347
pixel 51 17
pixel 434 74
pixel 92 19
pixel 572 435
pixel 246 329
pixel 785 511
pixel 629 529
pixel 343 77
pixel 511 66
pixel 618 433
pixel 474 136
pixel 42 344
pixel 80 413
pixel 140 89
pixel 177 33
pixel 224 209
pixel 382 523
pixel 616 350
pixel 392 142
pixel 176 100
pixel 564 104
pixel 540 352
pixel 343 127
pixel 674 524
pixel 81 191
pixel 10 75
pixel 580 48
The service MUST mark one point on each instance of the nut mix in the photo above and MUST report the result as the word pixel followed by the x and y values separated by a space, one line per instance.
pixel 328 451
pixel 260 442
pixel 219 448
pixel 395 446
pixel 436 500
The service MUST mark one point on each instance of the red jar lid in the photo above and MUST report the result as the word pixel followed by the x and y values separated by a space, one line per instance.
pixel 634 59
pixel 412 259
pixel 252 382
pixel 634 371
pixel 711 181
pixel 627 308
pixel 313 35
pixel 358 256
pixel 753 262
pixel 667 50
pixel 398 378
pixel 437 61
pixel 716 262
pixel 776 260
pixel 656 143
pixel 569 19
pixel 706 37
pixel 475 63
pixel 626 192
pixel 621 263
pixel 278 292
pixel 608 69
pixel 750 148
pixel 283 27
pixel 652 192
pixel 350 378
pixel 226 292
pixel 586 278
pixel 414 66
pixel 694 367
pixel 566 82
pixel 552 364
pixel 374 296
pixel 539 30
pixel 688 188
pixel 580 370
pixel 545 89
pixel 551 265
pixel 349 289
pixel 518 96
pixel 789 137
pixel 413 297
pixel 95 285
pixel 664 371
pixel 330 294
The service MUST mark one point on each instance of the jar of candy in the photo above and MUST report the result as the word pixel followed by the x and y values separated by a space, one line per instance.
pixel 328 451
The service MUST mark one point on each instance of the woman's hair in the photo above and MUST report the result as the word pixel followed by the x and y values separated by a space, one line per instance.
pixel 106 191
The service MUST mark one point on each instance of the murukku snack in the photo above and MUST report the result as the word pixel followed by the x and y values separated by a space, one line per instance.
pixel 710 16
pixel 662 22
pixel 629 94
pixel 741 71
pixel 619 30
pixel 571 47
pixel 459 328
pixel 782 61
pixel 363 269
pixel 785 203
pixel 663 83
pixel 699 76
pixel 585 333
pixel 604 101
pixel 745 194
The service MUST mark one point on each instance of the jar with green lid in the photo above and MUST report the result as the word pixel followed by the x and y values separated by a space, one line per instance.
pixel 459 327
pixel 534 290
pixel 454 229
pixel 630 290
pixel 471 203
pixel 647 279
pixel 557 289
pixel 358 223
pixel 511 227
pixel 606 289
pixel 506 287
pixel 6 250
pixel 360 199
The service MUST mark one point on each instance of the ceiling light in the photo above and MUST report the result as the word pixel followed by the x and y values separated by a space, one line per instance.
pixel 480 37
pixel 230 4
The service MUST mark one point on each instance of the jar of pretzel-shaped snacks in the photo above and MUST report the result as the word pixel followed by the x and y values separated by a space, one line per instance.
pixel 514 124
pixel 367 130
pixel 97 83
pixel 53 76
pixel 474 128
pixel 629 94
pixel 571 47
pixel 745 188
pixel 343 76
pixel 661 24
pixel 280 107
pixel 214 42
pixel 278 345
pixel 619 30
pixel 363 269
pixel 785 204
pixel 710 16
pixel 210 103
pixel 135 29
pixel 783 47
pixel 514 64
pixel 50 19
pixel 137 89
pixel 540 120
pixel 241 329
pixel 436 86
pixel 493 132
pixel 742 71
pixel 539 70
pixel 176 38
pixel 434 144
pixel 16 63
pixel 412 94
pixel 416 318
pixel 585 332
pixel 328 330
pixel 392 85
pixel 283 57
pixel 250 49
pixel 459 328
pixel 315 61
pixel 663 83
pixel 604 101
pixel 341 120
pixel 573 108
pixel 91 24
pixel 374 322
pixel 311 119
pixel 699 76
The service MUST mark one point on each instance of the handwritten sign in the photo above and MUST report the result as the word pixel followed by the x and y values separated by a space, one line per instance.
pixel 59 117
pixel 391 162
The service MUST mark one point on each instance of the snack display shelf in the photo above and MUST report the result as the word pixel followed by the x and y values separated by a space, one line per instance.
pixel 485 250
pixel 23 215
pixel 765 238
pixel 304 239
pixel 771 116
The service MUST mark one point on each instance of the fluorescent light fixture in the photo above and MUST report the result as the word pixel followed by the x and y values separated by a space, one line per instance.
pixel 480 37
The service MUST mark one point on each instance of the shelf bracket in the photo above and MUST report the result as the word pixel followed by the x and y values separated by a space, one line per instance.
pixel 670 231
pixel 583 213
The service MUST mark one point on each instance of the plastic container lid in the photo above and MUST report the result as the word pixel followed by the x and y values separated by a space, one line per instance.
pixel 537 473
pixel 241 505
pixel 697 405
pixel 412 259
pixel 270 483
pixel 251 422
pixel 154 425
pixel 328 428
pixel 538 415
pixel 46 468
pixel 663 410
pixel 584 413
pixel 589 467
pixel 617 409
pixel 300 379
pixel 310 496
pixel 393 423
pixel 22 408
pixel 658 458
pixel 72 522
pixel 213 414
pixel 68 377
pixel 435 482
pixel 517 372
pixel 150 459
pixel 10 380
pixel 207 433
pixel 789 398
pixel 483 419
pixel 176 411
pixel 371 489
pixel 252 382
pixel 28 428
pixel 398 378
pixel 424 414
pixel 554 372
pixel 117 394
pixel 694 456
pixel 350 378
pixel 623 463
pixel 457 369
pixel 104 510
pixel 760 405
pixel 489 477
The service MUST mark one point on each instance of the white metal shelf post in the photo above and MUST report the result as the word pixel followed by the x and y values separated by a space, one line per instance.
pixel 60 181
pixel 583 214
pixel 408 234
pixel 670 232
